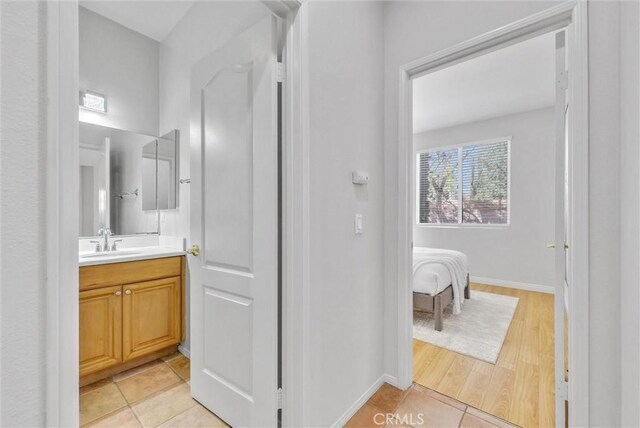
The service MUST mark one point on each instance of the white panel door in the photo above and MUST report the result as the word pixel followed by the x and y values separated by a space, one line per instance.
pixel 560 231
pixel 234 221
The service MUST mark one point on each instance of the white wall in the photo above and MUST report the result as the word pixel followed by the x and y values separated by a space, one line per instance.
pixel 22 197
pixel 414 30
pixel 515 253
pixel 123 65
pixel 346 271
pixel 630 197
pixel 204 28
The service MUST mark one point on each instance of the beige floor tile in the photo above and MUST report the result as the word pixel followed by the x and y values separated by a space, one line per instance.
pixel 181 366
pixel 164 406
pixel 195 417
pixel 136 370
pixel 122 419
pixel 142 385
pixel 172 356
pixel 367 416
pixel 419 409
pixel 440 397
pixel 387 398
pixel 100 402
pixel 95 385
pixel 470 421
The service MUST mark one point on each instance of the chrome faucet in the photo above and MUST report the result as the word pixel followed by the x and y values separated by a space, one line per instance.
pixel 104 233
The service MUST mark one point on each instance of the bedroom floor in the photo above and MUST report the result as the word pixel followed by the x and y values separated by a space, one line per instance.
pixel 519 388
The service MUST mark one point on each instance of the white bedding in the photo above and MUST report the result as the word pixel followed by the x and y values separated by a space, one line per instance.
pixel 431 278
pixel 435 269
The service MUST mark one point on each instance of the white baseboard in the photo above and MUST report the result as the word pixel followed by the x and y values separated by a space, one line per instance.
pixel 342 420
pixel 513 284
pixel 391 380
pixel 184 351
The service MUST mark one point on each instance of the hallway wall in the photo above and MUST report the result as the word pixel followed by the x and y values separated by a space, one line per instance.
pixel 346 271
pixel 23 129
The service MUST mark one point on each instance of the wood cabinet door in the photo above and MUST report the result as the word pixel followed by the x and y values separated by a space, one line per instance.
pixel 151 316
pixel 100 329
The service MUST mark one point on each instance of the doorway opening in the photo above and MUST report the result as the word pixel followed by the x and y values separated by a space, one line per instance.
pixel 484 141
pixel 475 322
pixel 174 338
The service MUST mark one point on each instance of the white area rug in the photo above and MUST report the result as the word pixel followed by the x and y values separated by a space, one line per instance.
pixel 479 331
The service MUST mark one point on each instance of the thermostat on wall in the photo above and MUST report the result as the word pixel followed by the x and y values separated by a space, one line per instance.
pixel 360 177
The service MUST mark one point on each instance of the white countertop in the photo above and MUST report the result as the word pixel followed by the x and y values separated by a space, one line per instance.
pixel 90 258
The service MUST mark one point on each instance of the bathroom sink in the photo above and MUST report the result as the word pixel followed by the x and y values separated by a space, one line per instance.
pixel 90 258
pixel 110 254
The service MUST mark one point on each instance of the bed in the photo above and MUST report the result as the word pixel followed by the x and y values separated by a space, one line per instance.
pixel 440 278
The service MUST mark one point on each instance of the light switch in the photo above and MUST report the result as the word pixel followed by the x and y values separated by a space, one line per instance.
pixel 360 177
pixel 358 224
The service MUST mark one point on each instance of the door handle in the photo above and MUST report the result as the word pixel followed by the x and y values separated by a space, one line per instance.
pixel 118 293
pixel 127 292
pixel 194 250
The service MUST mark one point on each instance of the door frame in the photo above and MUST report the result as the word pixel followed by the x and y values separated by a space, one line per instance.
pixel 62 199
pixel 571 15
pixel 61 253
pixel 295 209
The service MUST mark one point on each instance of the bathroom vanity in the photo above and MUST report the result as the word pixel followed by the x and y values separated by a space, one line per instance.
pixel 132 288
pixel 132 311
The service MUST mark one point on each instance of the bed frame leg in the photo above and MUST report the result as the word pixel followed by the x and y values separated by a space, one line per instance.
pixel 467 289
pixel 437 309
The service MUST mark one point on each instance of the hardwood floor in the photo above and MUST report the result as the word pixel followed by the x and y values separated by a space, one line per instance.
pixel 519 388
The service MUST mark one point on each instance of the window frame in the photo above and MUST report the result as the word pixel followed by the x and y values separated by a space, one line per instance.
pixel 459 147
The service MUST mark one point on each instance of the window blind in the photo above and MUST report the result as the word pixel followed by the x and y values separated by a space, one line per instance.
pixel 466 184
pixel 439 186
pixel 485 186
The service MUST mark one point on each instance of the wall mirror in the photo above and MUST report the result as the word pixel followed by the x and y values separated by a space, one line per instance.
pixel 126 178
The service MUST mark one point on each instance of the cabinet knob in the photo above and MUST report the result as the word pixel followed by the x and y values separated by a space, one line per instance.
pixel 194 250
pixel 127 292
pixel 118 293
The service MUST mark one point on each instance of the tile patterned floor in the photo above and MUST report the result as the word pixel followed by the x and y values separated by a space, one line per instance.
pixel 152 395
pixel 420 407
pixel 157 394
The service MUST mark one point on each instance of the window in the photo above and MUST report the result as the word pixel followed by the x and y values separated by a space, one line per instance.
pixel 468 184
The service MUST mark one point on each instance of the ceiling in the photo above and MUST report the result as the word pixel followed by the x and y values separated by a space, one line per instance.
pixel 515 79
pixel 154 19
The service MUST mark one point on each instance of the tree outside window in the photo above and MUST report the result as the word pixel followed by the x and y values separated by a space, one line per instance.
pixel 464 185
